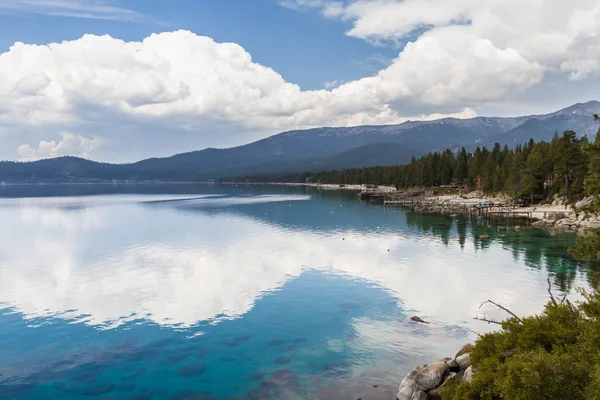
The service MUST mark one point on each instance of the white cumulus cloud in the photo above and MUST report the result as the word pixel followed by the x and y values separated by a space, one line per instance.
pixel 69 145
pixel 455 57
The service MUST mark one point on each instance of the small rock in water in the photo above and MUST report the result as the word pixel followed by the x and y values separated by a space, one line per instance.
pixel 276 342
pixel 299 340
pixel 484 237
pixel 418 319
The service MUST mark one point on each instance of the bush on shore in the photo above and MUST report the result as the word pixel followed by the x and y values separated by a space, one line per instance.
pixel 554 355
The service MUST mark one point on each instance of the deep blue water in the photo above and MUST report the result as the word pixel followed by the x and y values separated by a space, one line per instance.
pixel 224 292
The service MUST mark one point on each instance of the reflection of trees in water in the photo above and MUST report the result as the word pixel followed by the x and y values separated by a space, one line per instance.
pixel 536 248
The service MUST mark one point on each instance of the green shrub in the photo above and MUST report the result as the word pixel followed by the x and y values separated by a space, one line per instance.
pixel 554 355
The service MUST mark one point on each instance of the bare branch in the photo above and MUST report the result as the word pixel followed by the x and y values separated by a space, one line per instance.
pixel 477 333
pixel 570 305
pixel 503 308
pixel 550 292
pixel 563 299
pixel 489 321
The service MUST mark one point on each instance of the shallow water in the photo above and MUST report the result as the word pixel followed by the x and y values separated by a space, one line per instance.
pixel 202 292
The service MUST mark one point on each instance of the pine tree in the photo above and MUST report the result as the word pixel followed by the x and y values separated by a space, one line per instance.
pixel 592 150
pixel 570 165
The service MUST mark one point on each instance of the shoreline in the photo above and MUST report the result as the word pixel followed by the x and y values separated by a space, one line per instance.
pixel 557 216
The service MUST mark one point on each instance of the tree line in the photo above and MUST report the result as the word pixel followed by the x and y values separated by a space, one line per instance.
pixel 567 165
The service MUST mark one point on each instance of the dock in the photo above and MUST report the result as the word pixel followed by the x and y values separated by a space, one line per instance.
pixel 489 210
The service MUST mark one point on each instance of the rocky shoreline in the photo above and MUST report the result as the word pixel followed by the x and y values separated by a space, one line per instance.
pixel 426 382
pixel 557 216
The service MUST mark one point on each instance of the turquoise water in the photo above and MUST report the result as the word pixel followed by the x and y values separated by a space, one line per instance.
pixel 210 292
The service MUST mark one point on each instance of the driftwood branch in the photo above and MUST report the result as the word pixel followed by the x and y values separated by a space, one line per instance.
pixel 489 321
pixel 550 292
pixel 503 308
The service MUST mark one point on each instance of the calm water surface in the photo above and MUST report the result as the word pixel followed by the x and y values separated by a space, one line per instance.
pixel 210 292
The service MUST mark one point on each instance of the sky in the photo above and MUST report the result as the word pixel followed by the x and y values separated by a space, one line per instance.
pixel 122 80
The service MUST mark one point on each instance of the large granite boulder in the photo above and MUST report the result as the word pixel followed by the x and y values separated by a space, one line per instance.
pixel 468 375
pixel 539 224
pixel 436 394
pixel 426 382
pixel 594 225
pixel 433 375
pixel 467 348
pixel 409 389
pixel 464 361
pixel 588 201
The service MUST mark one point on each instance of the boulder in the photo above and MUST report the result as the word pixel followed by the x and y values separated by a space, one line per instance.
pixel 467 348
pixel 409 386
pixel 594 225
pixel 436 394
pixel 484 237
pixel 539 224
pixel 517 228
pixel 468 375
pixel 464 361
pixel 432 376
pixel 452 365
pixel 581 216
pixel 587 201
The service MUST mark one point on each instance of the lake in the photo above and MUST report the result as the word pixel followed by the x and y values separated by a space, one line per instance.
pixel 247 292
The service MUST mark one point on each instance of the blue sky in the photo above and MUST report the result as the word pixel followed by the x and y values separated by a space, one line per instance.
pixel 180 75
pixel 302 46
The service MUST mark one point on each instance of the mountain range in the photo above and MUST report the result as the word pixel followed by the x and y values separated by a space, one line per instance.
pixel 317 149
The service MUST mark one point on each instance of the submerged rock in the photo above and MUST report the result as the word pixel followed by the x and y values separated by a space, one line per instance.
pixel 283 360
pixel 191 370
pixel 257 376
pixel 97 390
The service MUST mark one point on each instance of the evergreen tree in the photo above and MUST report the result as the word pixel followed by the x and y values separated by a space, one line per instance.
pixel 592 150
pixel 461 169
pixel 570 165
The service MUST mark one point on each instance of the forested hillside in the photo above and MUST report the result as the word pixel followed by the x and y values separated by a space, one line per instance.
pixel 567 165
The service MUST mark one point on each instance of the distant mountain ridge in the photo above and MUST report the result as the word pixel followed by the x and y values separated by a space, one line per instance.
pixel 317 149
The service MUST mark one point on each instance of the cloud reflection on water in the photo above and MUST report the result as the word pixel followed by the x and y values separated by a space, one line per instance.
pixel 115 264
